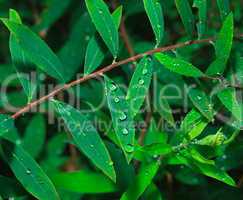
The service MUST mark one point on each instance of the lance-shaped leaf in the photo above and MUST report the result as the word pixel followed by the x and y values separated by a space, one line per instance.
pixel 229 100
pixel 6 124
pixel 121 117
pixel 86 137
pixel 84 181
pixel 19 59
pixel 186 15
pixel 197 130
pixel 142 181
pixel 139 85
pixel 36 49
pixel 104 24
pixel 156 149
pixel 28 172
pixel 201 101
pixel 224 8
pixel 94 53
pixel 223 47
pixel 34 137
pixel 178 65
pixel 213 140
pixel 202 12
pixel 156 18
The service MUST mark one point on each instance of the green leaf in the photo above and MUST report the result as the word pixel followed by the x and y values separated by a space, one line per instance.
pixel 202 9
pixel 34 137
pixel 213 172
pixel 94 52
pixel 229 100
pixel 142 181
pixel 121 117
pixel 223 47
pixel 36 49
pixel 201 101
pixel 84 181
pixel 224 8
pixel 86 137
pixel 156 149
pixel 156 18
pixel 152 192
pixel 104 24
pixel 53 12
pixel 178 65
pixel 139 84
pixel 186 15
pixel 198 157
pixel 19 59
pixel 197 130
pixel 6 124
pixel 28 172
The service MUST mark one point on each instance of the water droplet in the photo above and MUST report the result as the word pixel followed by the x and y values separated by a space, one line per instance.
pixel 113 87
pixel 123 116
pixel 117 100
pixel 100 11
pixel 28 171
pixel 129 148
pixel 145 71
pixel 124 131
pixel 92 146
pixel 141 82
pixel 111 163
pixel 199 97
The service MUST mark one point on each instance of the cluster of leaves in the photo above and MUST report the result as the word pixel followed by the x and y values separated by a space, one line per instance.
pixel 200 150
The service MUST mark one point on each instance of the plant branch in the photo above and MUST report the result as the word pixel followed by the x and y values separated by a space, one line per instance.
pixel 104 70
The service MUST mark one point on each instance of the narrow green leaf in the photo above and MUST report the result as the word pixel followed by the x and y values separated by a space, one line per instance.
pixel 84 181
pixel 223 47
pixel 156 149
pixel 202 9
pixel 152 192
pixel 6 124
pixel 19 59
pixel 34 137
pixel 156 18
pixel 121 117
pixel 86 137
pixel 224 8
pixel 186 15
pixel 36 49
pixel 202 103
pixel 104 24
pixel 198 157
pixel 213 172
pixel 139 84
pixel 178 66
pixel 28 172
pixel 142 181
pixel 197 130
pixel 229 100
pixel 94 52
pixel 54 11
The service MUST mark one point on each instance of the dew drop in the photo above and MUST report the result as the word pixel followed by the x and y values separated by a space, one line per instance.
pixel 100 11
pixel 199 97
pixel 117 100
pixel 145 71
pixel 113 87
pixel 129 148
pixel 124 131
pixel 123 117
pixel 141 82
pixel 110 163
pixel 28 171
pixel 92 146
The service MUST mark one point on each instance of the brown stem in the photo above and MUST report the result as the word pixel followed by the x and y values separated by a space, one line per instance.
pixel 103 70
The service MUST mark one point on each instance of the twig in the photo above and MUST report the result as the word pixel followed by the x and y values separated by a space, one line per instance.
pixel 103 70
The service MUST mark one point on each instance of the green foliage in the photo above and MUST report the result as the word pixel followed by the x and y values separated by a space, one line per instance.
pixel 113 100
